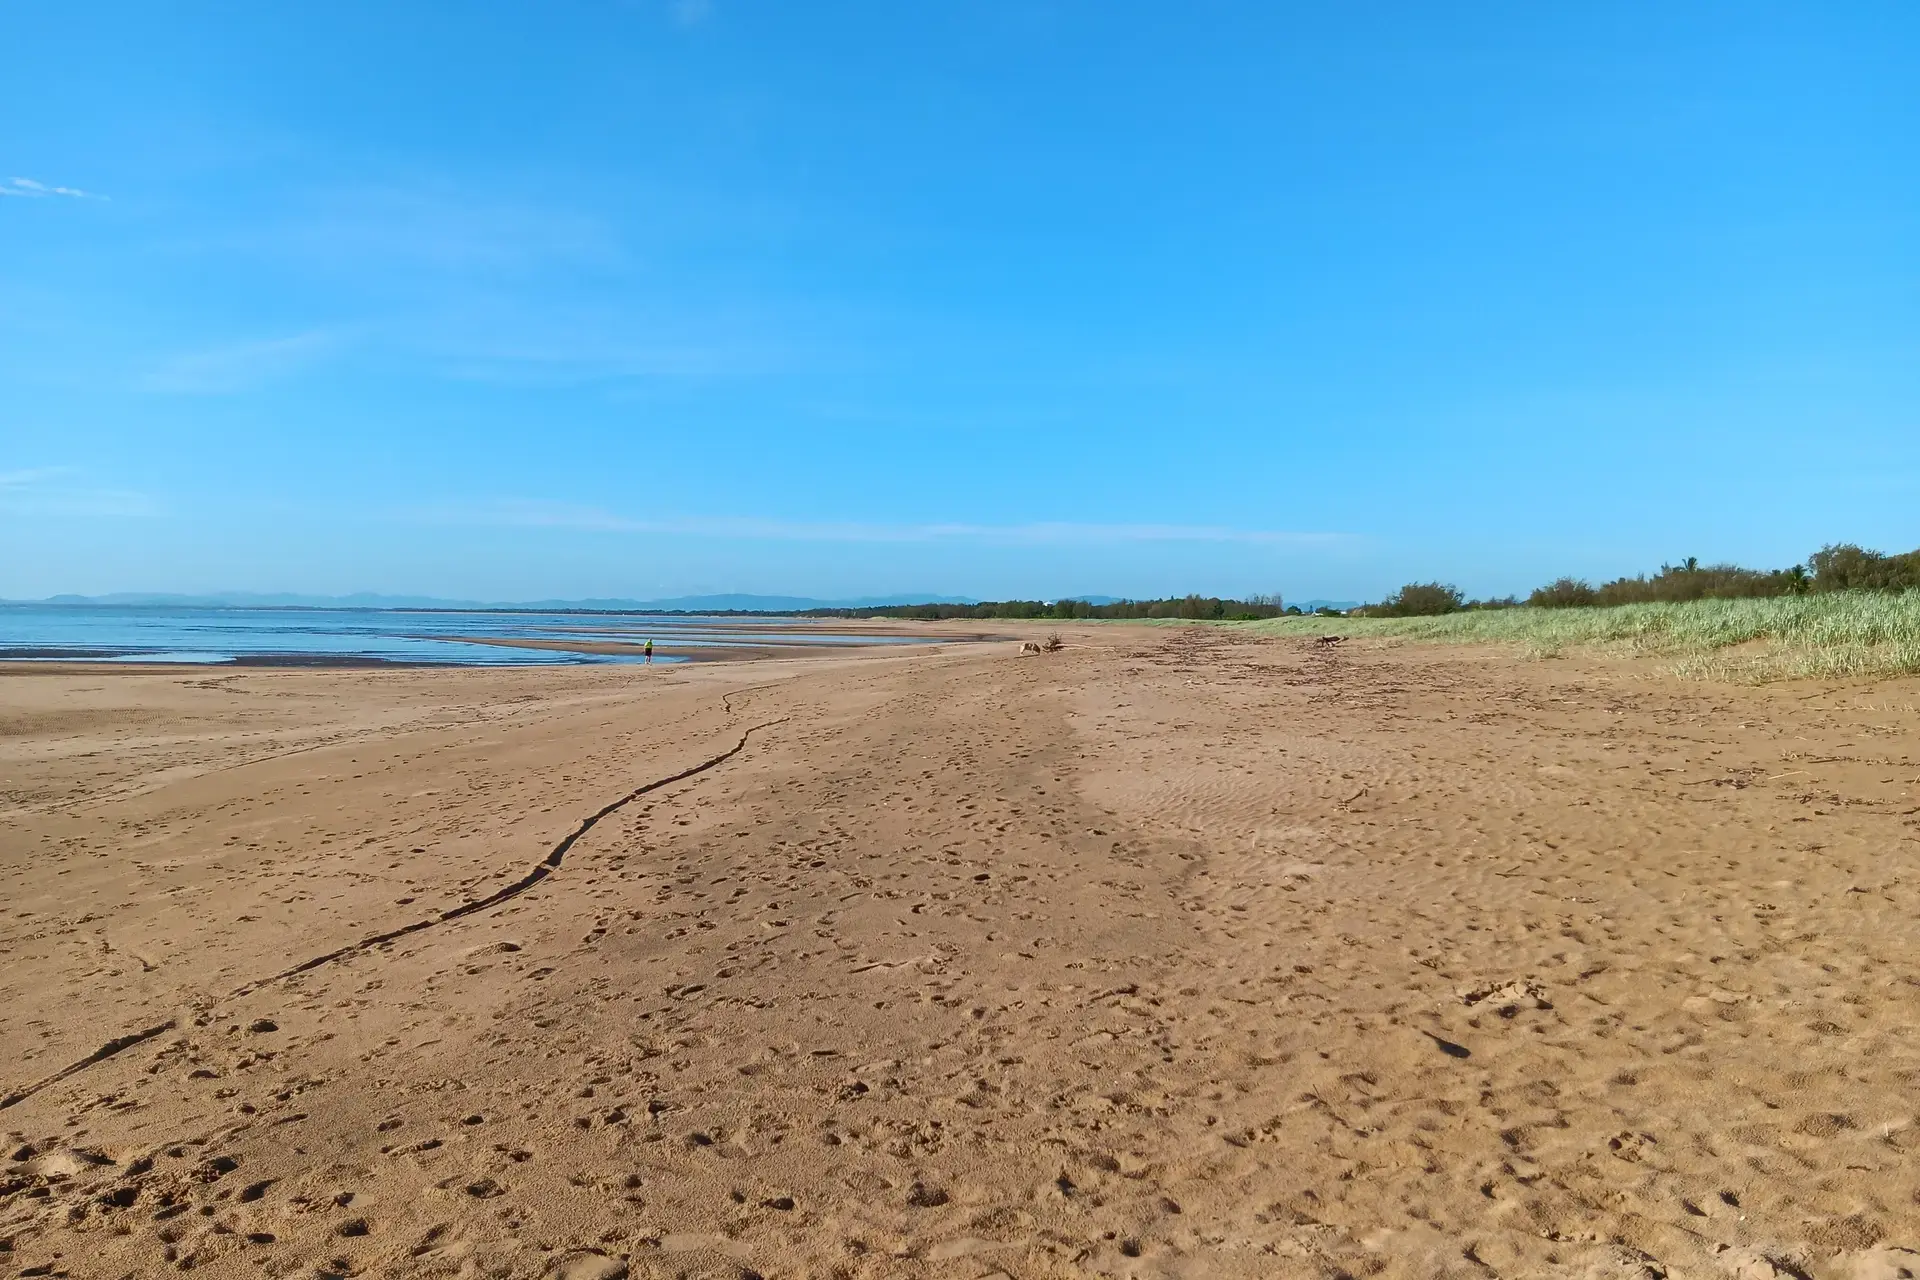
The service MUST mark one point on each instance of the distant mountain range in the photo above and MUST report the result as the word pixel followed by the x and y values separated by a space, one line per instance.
pixel 730 603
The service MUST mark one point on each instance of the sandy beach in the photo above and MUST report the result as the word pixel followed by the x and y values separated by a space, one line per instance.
pixel 1175 953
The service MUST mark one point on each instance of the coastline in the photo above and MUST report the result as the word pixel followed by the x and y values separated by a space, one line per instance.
pixel 772 642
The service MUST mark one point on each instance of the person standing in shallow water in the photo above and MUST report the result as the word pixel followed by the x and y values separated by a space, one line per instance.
pixel 649 648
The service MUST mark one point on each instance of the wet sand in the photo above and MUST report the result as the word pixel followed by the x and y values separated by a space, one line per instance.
pixel 769 646
pixel 1171 954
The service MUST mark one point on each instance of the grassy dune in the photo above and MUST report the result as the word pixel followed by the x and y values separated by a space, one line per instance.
pixel 1784 637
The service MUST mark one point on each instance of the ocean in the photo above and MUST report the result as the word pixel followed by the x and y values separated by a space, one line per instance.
pixel 318 637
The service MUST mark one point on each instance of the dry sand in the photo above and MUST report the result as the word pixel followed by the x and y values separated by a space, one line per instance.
pixel 1173 954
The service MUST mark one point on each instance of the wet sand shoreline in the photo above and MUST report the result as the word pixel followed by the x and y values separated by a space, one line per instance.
pixel 778 641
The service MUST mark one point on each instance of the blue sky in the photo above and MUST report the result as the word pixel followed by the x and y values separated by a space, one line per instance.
pixel 1000 299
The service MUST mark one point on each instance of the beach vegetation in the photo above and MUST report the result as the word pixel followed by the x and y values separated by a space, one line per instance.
pixel 1846 611
pixel 1828 634
pixel 1835 567
pixel 1564 593
pixel 1845 567
pixel 1420 600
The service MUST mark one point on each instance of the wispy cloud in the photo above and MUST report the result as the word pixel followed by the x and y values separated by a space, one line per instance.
pixel 531 514
pixel 567 353
pixel 54 491
pixel 691 13
pixel 31 476
pixel 520 281
pixel 383 228
pixel 28 189
pixel 238 366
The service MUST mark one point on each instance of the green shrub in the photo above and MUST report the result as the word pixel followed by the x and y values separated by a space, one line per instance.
pixel 1420 600
pixel 1691 580
pixel 1846 567
pixel 1564 593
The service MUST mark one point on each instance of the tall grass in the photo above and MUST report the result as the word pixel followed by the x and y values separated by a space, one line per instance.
pixel 1846 633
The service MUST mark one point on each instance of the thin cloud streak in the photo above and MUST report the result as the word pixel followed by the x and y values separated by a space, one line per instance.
pixel 543 515
pixel 31 476
pixel 238 367
pixel 380 229
pixel 38 491
pixel 569 350
pixel 28 189
pixel 514 286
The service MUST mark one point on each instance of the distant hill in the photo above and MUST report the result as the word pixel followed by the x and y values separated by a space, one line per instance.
pixel 790 604
pixel 733 602
pixel 730 603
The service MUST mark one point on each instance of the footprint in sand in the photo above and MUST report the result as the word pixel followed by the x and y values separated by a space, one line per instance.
pixel 589 1266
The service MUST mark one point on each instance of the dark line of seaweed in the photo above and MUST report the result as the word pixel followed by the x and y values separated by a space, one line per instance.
pixel 101 1054
pixel 541 870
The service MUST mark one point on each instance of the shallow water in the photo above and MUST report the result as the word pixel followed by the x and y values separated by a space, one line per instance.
pixel 100 633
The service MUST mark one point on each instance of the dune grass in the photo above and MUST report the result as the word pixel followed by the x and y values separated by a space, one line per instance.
pixel 1836 634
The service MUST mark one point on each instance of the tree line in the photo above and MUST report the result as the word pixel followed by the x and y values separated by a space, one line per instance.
pixel 1196 607
pixel 1836 567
